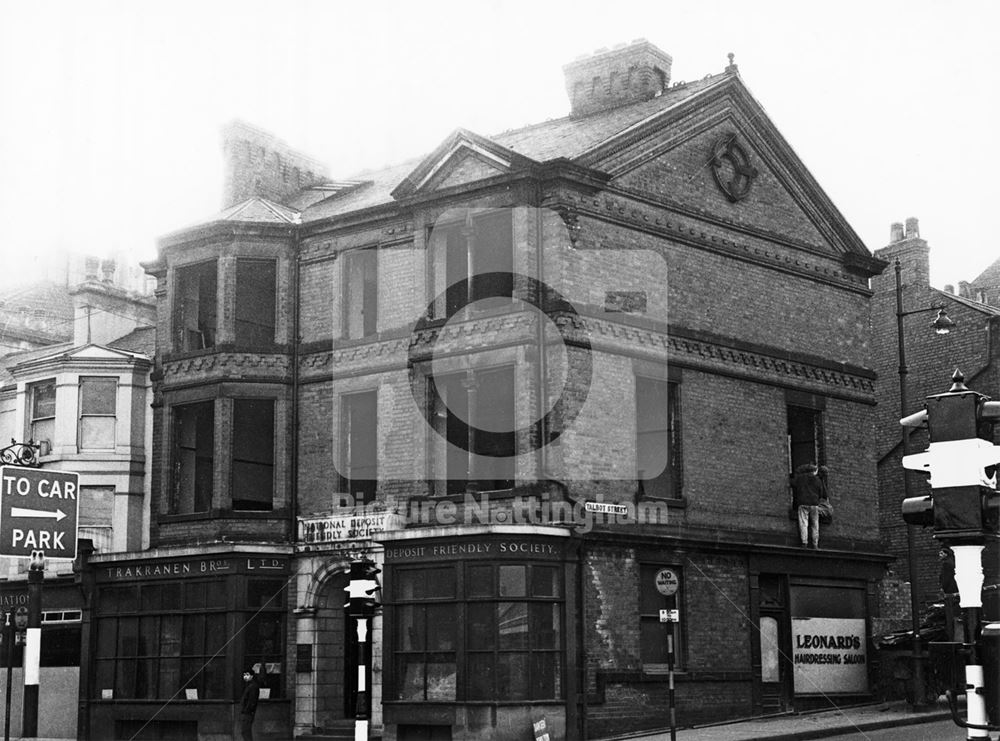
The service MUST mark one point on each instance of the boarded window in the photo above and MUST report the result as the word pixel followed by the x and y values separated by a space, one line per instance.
pixel 253 454
pixel 654 636
pixel 255 302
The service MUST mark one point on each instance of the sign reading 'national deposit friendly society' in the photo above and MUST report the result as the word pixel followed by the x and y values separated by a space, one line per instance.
pixel 39 511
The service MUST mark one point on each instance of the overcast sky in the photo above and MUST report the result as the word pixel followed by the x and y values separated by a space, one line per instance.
pixel 110 112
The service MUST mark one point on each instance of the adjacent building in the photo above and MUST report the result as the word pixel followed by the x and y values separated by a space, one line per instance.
pixel 553 382
pixel 931 358
pixel 85 402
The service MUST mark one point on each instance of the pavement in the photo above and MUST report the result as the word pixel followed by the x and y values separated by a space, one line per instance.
pixel 801 726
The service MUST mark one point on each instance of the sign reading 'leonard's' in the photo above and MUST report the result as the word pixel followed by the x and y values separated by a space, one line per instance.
pixel 38 512
pixel 830 655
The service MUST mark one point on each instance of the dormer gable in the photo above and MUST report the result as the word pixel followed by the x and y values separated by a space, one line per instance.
pixel 463 157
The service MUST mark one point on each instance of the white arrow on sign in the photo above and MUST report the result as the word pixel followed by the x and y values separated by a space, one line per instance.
pixel 22 512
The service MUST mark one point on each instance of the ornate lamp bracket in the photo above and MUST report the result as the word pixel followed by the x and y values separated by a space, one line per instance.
pixel 20 454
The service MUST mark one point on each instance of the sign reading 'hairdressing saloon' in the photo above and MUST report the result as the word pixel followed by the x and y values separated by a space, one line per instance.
pixel 829 655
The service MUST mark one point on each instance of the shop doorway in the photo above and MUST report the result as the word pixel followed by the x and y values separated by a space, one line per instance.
pixel 336 662
pixel 774 646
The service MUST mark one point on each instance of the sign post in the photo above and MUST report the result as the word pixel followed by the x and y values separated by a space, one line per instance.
pixel 39 512
pixel 8 644
pixel 667 583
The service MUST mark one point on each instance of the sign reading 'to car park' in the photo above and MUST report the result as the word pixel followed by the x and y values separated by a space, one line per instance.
pixel 39 510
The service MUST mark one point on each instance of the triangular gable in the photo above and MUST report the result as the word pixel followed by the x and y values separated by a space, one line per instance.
pixel 463 157
pixel 81 352
pixel 687 152
pixel 259 210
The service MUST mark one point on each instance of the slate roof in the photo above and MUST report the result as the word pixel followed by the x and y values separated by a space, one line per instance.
pixel 569 137
pixel 140 340
pixel 972 304
pixel 989 278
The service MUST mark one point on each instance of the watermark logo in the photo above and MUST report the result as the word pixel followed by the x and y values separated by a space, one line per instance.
pixel 521 357
pixel 352 521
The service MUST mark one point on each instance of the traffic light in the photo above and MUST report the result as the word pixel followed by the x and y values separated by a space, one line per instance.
pixel 963 509
pixel 362 600
pixel 963 505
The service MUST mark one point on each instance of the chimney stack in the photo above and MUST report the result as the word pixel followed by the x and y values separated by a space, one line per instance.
pixel 629 73
pixel 912 252
pixel 259 164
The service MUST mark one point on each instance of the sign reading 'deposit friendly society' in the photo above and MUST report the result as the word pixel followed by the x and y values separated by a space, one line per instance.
pixel 39 511
pixel 830 655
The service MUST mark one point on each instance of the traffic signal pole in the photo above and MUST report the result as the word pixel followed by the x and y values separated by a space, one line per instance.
pixel 33 646
pixel 962 510
pixel 362 605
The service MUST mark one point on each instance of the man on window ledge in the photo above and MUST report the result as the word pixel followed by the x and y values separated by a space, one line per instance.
pixel 807 491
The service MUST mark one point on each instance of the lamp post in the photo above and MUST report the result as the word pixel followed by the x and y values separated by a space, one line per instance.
pixel 942 325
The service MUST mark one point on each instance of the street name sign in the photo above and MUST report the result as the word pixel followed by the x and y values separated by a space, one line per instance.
pixel 39 511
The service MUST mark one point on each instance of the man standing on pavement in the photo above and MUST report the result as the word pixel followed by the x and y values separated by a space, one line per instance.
pixel 248 703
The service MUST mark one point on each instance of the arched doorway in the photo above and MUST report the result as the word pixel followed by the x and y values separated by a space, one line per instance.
pixel 336 666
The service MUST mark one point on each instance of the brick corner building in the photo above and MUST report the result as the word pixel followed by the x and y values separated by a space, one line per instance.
pixel 552 382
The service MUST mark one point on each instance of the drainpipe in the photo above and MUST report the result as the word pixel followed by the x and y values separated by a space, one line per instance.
pixel 293 490
pixel 542 365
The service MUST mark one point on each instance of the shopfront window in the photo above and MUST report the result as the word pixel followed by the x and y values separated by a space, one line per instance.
pixel 264 632
pixel 162 641
pixel 498 639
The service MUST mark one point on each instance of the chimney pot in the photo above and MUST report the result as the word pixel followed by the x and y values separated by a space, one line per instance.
pixel 90 267
pixel 896 232
pixel 949 288
pixel 912 228
pixel 108 270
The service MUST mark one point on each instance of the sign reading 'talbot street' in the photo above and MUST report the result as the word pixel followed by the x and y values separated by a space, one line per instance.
pixel 38 512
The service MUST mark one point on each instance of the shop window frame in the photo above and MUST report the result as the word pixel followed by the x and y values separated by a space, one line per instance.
pixel 469 600
pixel 164 619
